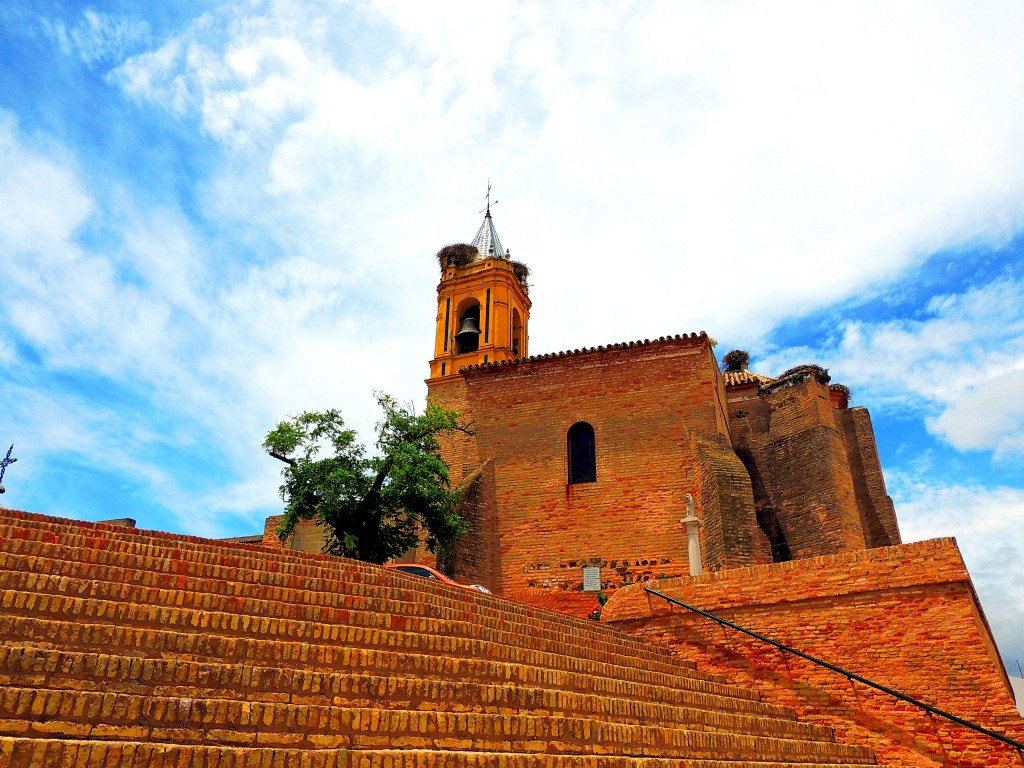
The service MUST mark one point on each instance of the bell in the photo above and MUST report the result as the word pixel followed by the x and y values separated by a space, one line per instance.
pixel 469 332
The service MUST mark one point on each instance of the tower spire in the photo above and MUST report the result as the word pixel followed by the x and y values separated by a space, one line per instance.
pixel 486 239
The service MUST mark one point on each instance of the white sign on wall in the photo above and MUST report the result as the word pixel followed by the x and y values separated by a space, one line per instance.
pixel 591 578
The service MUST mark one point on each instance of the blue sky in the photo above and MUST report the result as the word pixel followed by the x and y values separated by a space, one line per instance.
pixel 215 215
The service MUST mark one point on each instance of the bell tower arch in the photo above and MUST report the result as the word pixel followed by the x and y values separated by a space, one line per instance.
pixel 483 306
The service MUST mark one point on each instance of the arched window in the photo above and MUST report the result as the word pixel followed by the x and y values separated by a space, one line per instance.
pixel 581 452
pixel 467 334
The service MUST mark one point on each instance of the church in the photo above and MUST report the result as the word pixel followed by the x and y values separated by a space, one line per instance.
pixel 584 459
pixel 687 494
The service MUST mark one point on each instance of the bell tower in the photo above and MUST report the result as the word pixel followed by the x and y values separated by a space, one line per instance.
pixel 482 304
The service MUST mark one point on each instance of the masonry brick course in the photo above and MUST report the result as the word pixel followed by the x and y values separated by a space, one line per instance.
pixel 136 648
pixel 661 430
pixel 904 616
pixel 777 469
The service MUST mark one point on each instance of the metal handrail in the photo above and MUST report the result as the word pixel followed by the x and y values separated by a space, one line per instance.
pixel 846 673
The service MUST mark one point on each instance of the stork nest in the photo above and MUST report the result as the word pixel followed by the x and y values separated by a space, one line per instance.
pixel 521 271
pixel 801 372
pixel 737 360
pixel 456 255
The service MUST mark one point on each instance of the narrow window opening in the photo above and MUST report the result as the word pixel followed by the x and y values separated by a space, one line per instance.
pixel 517 333
pixel 447 321
pixel 443 366
pixel 582 454
pixel 487 318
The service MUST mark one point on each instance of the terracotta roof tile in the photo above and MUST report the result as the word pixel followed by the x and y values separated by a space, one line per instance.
pixel 737 378
pixel 584 351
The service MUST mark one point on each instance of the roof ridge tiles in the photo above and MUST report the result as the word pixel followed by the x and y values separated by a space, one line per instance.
pixel 582 351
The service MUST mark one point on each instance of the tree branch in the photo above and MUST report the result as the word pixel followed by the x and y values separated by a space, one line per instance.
pixel 282 457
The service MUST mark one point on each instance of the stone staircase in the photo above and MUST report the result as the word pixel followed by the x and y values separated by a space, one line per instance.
pixel 121 647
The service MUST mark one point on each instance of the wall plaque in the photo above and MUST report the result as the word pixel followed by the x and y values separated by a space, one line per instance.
pixel 591 578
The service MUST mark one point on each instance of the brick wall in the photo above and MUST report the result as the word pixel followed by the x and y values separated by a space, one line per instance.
pixel 308 535
pixel 661 432
pixel 905 616
pixel 476 559
pixel 878 516
pixel 801 473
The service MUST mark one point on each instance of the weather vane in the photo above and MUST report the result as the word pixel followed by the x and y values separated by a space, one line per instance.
pixel 4 464
pixel 488 208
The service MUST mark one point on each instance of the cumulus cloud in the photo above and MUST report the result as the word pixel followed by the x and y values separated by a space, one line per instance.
pixel 814 151
pixel 988 416
pixel 960 364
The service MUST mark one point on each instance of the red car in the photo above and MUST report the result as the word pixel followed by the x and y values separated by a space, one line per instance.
pixel 415 569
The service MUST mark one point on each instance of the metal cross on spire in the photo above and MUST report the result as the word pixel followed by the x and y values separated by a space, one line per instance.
pixel 6 463
pixel 487 210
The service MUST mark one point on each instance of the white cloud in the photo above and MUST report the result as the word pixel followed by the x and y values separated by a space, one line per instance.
pixel 662 169
pixel 220 350
pixel 961 364
pixel 41 201
pixel 96 36
pixel 988 415
pixel 988 524
pixel 782 159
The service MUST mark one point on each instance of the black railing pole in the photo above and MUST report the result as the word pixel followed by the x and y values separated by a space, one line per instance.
pixel 839 670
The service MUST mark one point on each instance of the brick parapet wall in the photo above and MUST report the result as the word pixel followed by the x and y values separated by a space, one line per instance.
pixel 799 466
pixel 905 616
pixel 730 535
pixel 878 515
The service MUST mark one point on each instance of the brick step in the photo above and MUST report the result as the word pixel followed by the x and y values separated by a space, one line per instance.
pixel 50 753
pixel 15 575
pixel 71 714
pixel 225 561
pixel 250 564
pixel 300 565
pixel 236 626
pixel 202 647
pixel 419 758
pixel 64 753
pixel 36 557
pixel 132 675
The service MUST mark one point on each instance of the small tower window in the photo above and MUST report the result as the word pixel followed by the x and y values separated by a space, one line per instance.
pixel 517 333
pixel 581 453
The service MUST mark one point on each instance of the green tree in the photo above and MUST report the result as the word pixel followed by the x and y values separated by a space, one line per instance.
pixel 373 507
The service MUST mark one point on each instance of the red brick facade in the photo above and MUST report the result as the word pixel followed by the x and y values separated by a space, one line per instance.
pixel 777 469
pixel 905 616
pixel 658 414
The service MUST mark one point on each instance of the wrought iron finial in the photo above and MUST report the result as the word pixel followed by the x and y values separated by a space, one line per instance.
pixel 7 461
pixel 487 211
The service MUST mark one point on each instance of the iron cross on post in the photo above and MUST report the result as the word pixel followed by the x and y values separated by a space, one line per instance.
pixel 489 203
pixel 4 464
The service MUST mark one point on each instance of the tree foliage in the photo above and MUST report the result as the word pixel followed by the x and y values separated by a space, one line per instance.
pixel 372 507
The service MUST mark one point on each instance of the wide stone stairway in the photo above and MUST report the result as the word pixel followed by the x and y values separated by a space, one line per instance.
pixel 121 647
